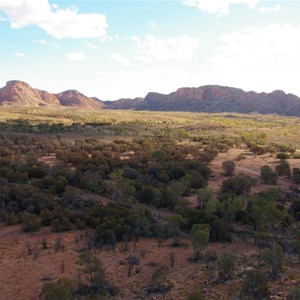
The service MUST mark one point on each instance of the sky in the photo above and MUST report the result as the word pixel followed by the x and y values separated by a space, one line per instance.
pixel 115 49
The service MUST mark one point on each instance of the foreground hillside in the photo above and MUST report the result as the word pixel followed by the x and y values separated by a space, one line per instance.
pixel 148 205
pixel 210 98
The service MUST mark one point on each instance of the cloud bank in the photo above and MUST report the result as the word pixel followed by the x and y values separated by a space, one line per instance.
pixel 221 7
pixel 59 23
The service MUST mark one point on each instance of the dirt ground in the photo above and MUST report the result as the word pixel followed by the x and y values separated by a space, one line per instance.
pixel 22 276
pixel 250 165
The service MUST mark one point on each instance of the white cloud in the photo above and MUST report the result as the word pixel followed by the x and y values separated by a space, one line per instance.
pixel 264 57
pixel 152 48
pixel 76 56
pixel 119 58
pixel 45 43
pixel 254 45
pixel 152 24
pixel 60 23
pixel 220 7
pixel 20 54
pixel 266 9
pixel 90 45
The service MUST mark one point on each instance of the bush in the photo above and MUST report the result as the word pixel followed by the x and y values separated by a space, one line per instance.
pixel 195 295
pixel 296 175
pixel 267 175
pixel 30 222
pixel 227 265
pixel 228 167
pixel 283 155
pixel 283 169
pixel 160 273
pixel 239 184
pixel 62 290
pixel 294 294
pixel 255 286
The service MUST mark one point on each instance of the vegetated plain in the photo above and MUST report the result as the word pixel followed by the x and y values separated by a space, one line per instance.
pixel 114 204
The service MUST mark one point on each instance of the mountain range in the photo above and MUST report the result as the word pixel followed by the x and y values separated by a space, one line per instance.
pixel 209 98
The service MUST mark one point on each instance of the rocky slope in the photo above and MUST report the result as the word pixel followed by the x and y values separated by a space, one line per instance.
pixel 212 98
pixel 76 99
pixel 19 93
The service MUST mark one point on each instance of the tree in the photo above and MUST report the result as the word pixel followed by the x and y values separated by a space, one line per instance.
pixel 159 156
pixel 204 197
pixel 296 175
pixel 267 175
pixel 282 156
pixel 92 266
pixel 132 261
pixel 239 184
pixel 62 290
pixel 200 238
pixel 273 256
pixel 231 207
pixel 227 265
pixel 30 222
pixel 228 167
pixel 174 223
pixel 264 212
pixel 255 286
pixel 295 208
pixel 283 169
pixel 294 294
pixel 208 156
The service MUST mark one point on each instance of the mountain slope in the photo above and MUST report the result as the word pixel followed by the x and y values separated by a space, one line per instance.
pixel 76 99
pixel 209 98
pixel 213 98
pixel 20 94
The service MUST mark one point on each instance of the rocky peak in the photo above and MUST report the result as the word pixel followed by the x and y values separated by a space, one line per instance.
pixel 19 93
pixel 75 98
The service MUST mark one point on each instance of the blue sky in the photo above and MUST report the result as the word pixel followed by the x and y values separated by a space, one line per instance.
pixel 113 49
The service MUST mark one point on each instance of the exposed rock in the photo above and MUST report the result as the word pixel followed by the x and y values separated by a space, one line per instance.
pixel 209 98
pixel 74 98
pixel 213 98
pixel 21 94
pixel 124 103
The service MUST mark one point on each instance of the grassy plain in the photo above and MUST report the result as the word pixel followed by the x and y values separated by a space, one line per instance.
pixel 278 129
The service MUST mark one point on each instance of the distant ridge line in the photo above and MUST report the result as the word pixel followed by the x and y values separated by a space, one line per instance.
pixel 208 98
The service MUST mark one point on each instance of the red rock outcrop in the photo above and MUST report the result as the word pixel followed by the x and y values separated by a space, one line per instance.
pixel 19 93
pixel 213 98
pixel 74 98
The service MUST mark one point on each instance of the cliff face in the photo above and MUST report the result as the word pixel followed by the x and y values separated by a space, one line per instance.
pixel 19 93
pixel 212 98
pixel 209 98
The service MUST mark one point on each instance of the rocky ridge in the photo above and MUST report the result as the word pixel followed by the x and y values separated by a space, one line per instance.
pixel 20 94
pixel 209 98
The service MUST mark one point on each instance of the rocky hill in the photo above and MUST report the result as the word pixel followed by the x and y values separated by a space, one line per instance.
pixel 209 98
pixel 213 98
pixel 20 94
pixel 76 99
